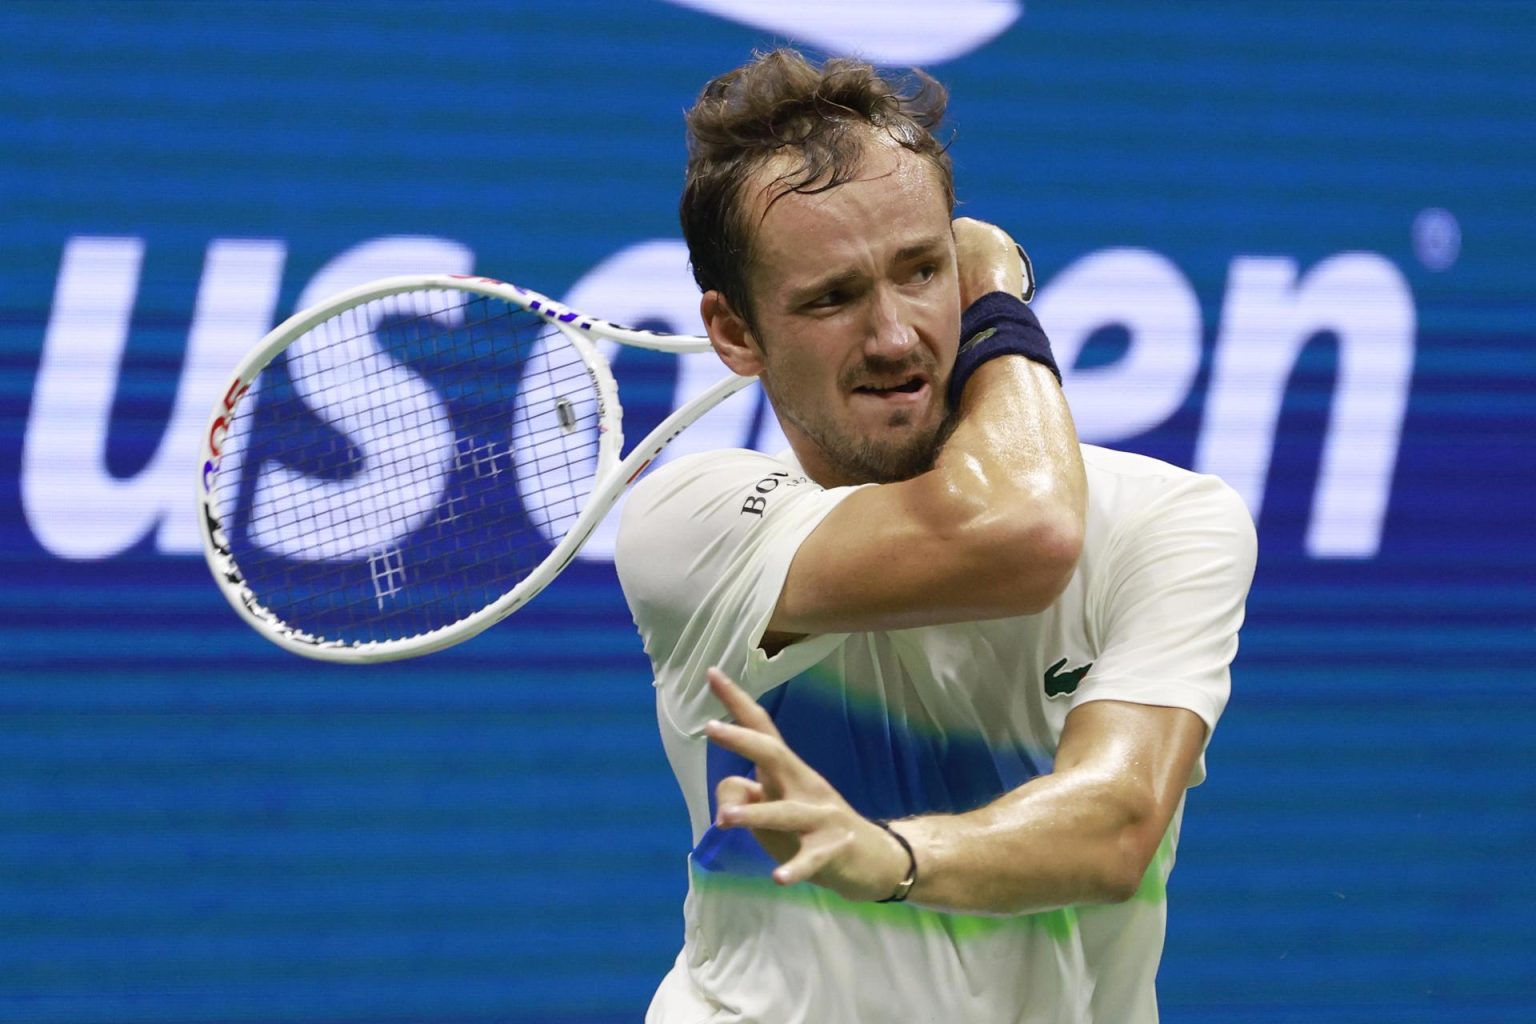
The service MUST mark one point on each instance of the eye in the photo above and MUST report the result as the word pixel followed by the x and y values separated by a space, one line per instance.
pixel 925 272
pixel 829 300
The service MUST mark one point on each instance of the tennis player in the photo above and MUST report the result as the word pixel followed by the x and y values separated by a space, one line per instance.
pixel 969 666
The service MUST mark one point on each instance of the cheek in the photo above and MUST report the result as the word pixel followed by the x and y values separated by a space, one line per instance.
pixel 804 369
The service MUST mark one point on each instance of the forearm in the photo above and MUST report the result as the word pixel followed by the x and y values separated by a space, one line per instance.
pixel 1012 464
pixel 1083 834
pixel 1056 841
pixel 994 530
pixel 1012 472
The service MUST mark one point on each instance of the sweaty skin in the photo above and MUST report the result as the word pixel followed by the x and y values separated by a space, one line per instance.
pixel 857 293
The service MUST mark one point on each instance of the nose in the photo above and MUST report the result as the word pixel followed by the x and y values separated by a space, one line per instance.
pixel 891 332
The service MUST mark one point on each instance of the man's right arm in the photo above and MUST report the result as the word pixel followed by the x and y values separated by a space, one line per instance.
pixel 993 530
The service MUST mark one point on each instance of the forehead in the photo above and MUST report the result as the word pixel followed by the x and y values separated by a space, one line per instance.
pixel 895 198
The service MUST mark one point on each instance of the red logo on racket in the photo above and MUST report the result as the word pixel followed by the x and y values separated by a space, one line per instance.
pixel 220 428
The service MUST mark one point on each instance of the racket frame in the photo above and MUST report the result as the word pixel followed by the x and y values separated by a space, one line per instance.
pixel 613 474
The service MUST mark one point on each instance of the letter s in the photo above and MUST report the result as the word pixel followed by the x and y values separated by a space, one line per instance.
pixel 401 482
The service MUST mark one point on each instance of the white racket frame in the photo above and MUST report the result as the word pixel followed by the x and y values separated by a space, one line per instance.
pixel 614 472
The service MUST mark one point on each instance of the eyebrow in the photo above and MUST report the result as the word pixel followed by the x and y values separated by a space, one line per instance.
pixel 924 247
pixel 932 245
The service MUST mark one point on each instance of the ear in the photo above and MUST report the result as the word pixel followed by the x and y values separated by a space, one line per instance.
pixel 733 339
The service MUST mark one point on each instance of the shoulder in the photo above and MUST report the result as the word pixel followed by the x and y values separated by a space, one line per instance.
pixel 700 515
pixel 708 492
pixel 1173 559
pixel 704 546
pixel 1142 508
pixel 1142 472
pixel 1126 487
pixel 711 477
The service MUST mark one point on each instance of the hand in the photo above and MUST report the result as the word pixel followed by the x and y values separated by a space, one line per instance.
pixel 795 814
pixel 989 260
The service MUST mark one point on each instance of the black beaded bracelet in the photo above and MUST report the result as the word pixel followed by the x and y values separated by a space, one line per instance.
pixel 905 885
pixel 998 324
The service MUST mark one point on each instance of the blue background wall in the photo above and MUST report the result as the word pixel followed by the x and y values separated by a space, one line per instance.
pixel 195 826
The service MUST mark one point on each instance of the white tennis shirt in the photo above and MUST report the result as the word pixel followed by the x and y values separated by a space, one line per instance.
pixel 936 719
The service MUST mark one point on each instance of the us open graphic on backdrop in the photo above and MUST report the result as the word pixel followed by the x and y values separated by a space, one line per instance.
pixel 1271 310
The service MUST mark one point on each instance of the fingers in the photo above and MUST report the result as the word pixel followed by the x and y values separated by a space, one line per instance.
pixel 989 261
pixel 737 790
pixel 777 765
pixel 774 816
pixel 741 706
pixel 754 736
pixel 795 814
pixel 816 852
pixel 980 234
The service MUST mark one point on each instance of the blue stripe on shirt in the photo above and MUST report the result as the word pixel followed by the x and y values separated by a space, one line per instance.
pixel 883 768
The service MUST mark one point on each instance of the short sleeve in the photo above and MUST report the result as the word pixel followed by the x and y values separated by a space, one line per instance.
pixel 1171 602
pixel 704 547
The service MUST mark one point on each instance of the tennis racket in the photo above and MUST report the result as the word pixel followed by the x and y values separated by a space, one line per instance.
pixel 401 466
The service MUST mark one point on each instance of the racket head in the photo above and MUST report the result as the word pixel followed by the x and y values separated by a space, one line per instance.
pixel 353 511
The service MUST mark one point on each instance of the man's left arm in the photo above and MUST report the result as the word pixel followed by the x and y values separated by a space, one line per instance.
pixel 1085 833
pixel 1131 745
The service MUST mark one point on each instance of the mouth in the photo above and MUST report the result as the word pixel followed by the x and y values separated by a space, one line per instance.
pixel 896 391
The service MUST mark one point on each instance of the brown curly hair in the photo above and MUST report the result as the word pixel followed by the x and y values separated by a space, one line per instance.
pixel 778 102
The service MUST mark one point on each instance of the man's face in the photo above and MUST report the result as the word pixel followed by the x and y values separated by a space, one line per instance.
pixel 856 310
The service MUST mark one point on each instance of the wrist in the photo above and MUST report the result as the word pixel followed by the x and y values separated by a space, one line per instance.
pixel 903 886
pixel 998 324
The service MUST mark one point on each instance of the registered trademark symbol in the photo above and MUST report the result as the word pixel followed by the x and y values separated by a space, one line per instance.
pixel 1436 238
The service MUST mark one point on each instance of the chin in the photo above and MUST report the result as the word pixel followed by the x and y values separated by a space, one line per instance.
pixel 901 444
pixel 889 460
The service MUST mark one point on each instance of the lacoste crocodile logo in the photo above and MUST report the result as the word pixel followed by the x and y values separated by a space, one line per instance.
pixel 1059 683
pixel 976 339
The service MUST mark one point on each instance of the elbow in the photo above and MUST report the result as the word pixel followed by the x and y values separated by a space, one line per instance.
pixel 1047 521
pixel 1124 872
pixel 1015 553
pixel 1119 888
pixel 1058 544
pixel 1042 558
pixel 1125 845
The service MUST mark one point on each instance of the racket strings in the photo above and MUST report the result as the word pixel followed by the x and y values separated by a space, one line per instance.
pixel 408 462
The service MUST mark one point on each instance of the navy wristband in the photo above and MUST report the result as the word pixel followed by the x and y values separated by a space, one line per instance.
pixel 998 324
